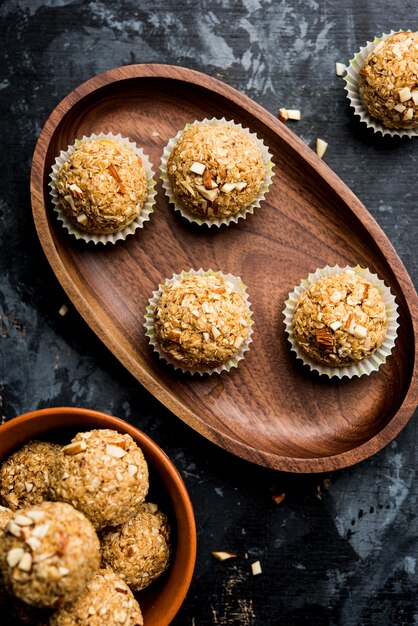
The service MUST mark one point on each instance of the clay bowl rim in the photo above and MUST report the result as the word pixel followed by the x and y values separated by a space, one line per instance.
pixel 156 457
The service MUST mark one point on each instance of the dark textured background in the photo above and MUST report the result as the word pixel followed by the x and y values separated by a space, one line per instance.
pixel 340 549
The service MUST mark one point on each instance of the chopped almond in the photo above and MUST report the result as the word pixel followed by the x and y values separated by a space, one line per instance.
pixel 339 69
pixel 76 191
pixel 321 147
pixel 283 115
pixel 82 218
pixel 360 332
pixel 223 556
pixel 278 498
pixel 365 291
pixel 350 321
pixel 70 201
pixel 25 563
pixel 75 447
pixel 405 94
pixel 256 568
pixel 197 168
pixel 228 187
pixel 240 185
pixel 13 556
pixel 115 451
pixel 289 114
pixel 114 173
pixel 293 114
pixel 207 180
pixel 209 194
pixel 324 339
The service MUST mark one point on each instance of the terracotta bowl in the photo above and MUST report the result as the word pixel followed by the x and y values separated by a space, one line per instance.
pixel 161 601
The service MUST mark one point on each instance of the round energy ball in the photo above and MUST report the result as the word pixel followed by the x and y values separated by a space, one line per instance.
pixel 389 81
pixel 106 601
pixel 24 476
pixel 103 474
pixel 48 553
pixel 201 321
pixel 215 170
pixel 340 319
pixel 102 187
pixel 139 550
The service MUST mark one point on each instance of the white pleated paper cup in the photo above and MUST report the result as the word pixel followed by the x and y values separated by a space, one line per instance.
pixel 378 357
pixel 227 219
pixel 149 325
pixel 352 83
pixel 130 229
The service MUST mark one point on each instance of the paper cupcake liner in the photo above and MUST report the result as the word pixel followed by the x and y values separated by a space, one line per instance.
pixel 138 222
pixel 197 219
pixel 378 357
pixel 352 80
pixel 150 321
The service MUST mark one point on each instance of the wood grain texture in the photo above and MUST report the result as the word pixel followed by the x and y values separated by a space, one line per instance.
pixel 271 410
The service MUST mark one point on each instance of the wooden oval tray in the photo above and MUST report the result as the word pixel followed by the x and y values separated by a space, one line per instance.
pixel 271 410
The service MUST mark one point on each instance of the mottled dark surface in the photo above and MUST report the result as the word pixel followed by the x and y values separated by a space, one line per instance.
pixel 341 552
